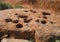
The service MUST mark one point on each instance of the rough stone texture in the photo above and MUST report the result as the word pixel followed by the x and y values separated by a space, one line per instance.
pixel 38 24
pixel 14 40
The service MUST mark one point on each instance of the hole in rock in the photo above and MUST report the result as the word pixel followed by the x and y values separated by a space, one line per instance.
pixel 19 26
pixel 8 20
pixel 43 22
pixel 16 14
pixel 39 17
pixel 44 17
pixel 32 11
pixel 37 20
pixel 22 16
pixel 51 22
pixel 26 21
pixel 25 11
pixel 31 19
pixel 15 21
pixel 45 13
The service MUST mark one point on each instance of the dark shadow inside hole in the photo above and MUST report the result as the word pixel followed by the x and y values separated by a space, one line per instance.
pixel 26 21
pixel 22 16
pixel 32 11
pixel 51 22
pixel 44 17
pixel 15 21
pixel 39 17
pixel 37 20
pixel 45 13
pixel 16 14
pixel 25 11
pixel 8 20
pixel 30 19
pixel 19 26
pixel 43 22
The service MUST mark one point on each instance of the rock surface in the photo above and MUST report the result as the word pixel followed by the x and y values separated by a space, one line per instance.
pixel 37 24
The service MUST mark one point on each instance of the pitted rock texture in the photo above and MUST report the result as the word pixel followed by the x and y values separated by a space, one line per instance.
pixel 38 24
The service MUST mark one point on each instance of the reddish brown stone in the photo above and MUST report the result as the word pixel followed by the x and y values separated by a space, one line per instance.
pixel 40 30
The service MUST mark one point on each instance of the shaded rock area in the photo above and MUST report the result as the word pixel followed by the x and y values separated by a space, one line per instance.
pixel 37 24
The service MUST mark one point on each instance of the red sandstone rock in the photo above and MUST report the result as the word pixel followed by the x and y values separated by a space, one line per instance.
pixel 38 24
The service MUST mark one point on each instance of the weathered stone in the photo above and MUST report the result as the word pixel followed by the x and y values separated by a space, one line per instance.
pixel 31 24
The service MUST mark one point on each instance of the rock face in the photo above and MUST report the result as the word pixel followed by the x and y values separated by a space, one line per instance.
pixel 37 24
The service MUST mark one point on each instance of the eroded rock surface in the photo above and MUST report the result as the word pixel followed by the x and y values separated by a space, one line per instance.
pixel 38 24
